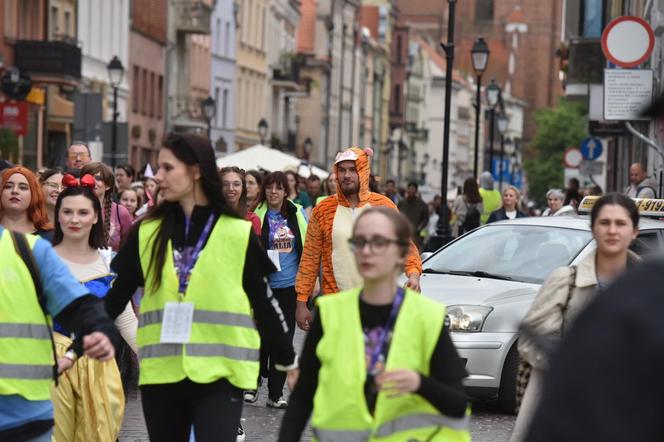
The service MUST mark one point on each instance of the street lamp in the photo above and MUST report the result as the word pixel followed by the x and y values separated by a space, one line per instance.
pixel 492 97
pixel 209 110
pixel 443 227
pixel 480 57
pixel 115 74
pixel 262 130
pixel 503 123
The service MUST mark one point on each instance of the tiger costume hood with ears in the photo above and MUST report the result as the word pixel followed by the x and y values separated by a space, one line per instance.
pixel 362 158
pixel 329 229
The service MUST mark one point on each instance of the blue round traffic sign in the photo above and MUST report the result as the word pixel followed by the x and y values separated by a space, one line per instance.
pixel 591 148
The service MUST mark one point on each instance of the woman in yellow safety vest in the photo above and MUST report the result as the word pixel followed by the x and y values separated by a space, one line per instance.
pixel 203 271
pixel 378 363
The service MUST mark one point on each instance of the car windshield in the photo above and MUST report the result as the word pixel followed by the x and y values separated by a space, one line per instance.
pixel 513 252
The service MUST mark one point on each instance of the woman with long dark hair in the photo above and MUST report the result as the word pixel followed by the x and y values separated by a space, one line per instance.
pixel 203 271
pixel 88 400
pixel 468 207
pixel 22 205
pixel 283 231
pixel 117 220
pixel 254 180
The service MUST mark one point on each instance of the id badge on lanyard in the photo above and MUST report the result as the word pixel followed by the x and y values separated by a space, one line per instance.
pixel 179 316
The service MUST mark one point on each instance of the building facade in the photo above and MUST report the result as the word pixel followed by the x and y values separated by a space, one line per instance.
pixel 103 33
pixel 222 87
pixel 147 68
pixel 188 65
pixel 251 76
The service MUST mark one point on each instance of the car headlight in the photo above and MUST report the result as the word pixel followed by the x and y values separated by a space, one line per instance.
pixel 467 318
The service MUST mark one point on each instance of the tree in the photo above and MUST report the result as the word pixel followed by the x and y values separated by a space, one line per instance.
pixel 557 129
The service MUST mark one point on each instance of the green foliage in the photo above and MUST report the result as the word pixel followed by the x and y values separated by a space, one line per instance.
pixel 8 145
pixel 557 129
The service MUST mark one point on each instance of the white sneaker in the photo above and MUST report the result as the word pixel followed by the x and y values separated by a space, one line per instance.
pixel 240 434
pixel 279 403
pixel 251 396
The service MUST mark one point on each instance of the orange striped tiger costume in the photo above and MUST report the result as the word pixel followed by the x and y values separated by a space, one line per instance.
pixel 328 232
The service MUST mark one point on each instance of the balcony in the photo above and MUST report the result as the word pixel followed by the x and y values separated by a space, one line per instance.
pixel 585 66
pixel 60 59
pixel 187 112
pixel 286 73
pixel 192 17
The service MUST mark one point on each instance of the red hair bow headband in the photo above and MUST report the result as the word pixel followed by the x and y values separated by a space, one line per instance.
pixel 86 180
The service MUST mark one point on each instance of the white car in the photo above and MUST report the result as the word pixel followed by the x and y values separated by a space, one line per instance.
pixel 488 279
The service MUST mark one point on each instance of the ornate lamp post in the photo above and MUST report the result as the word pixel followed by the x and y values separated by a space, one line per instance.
pixel 480 57
pixel 115 73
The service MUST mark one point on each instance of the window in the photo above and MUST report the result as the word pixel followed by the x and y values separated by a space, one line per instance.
pixel 224 109
pixel 399 49
pixel 646 244
pixel 144 92
pixel 522 253
pixel 54 22
pixel 227 38
pixel 483 10
pixel 135 90
pixel 160 97
pixel 68 30
pixel 397 98
pixel 217 50
pixel 216 104
pixel 153 94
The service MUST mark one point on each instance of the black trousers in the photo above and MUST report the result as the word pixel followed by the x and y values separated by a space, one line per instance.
pixel 213 409
pixel 276 379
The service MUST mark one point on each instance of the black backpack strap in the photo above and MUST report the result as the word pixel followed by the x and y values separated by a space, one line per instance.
pixel 23 249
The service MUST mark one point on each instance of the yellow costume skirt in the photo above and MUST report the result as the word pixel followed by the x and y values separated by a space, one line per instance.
pixel 89 402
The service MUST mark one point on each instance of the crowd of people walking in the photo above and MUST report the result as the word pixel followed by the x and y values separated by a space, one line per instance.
pixel 189 283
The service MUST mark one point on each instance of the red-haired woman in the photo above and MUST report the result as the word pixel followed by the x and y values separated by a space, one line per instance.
pixel 22 203
pixel 117 220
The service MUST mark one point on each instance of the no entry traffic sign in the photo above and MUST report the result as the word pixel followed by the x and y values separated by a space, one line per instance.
pixel 628 41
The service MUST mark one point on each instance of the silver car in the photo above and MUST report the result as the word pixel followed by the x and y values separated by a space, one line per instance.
pixel 488 279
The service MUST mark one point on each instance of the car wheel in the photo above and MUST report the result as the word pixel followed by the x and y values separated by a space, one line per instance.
pixel 507 389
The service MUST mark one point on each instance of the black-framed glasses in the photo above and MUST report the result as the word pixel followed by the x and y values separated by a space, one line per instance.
pixel 377 244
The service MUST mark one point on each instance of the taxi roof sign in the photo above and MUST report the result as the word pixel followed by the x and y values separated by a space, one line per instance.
pixel 648 207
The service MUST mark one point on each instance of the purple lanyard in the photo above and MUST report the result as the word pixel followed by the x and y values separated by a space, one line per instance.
pixel 382 339
pixel 190 257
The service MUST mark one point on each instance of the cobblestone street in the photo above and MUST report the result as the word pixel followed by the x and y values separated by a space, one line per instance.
pixel 262 424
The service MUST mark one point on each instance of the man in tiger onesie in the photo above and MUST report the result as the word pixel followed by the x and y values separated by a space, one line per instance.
pixel 330 228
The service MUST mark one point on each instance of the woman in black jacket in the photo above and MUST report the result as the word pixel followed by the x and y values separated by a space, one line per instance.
pixel 510 208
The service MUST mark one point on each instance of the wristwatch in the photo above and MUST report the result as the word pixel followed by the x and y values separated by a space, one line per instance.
pixel 71 355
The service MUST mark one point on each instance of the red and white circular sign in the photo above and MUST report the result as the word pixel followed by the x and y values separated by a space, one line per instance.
pixel 572 157
pixel 628 41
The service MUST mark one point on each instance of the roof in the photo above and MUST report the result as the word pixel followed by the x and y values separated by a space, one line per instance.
pixel 438 58
pixel 580 222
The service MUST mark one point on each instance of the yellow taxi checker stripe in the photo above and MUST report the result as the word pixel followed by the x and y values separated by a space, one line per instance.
pixel 414 421
pixel 25 371
pixel 201 317
pixel 223 350
pixel 17 330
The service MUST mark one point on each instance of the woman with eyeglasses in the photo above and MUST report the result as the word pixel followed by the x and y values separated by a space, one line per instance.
pixel 88 400
pixel 283 231
pixel 117 220
pixel 378 361
pixel 22 205
pixel 203 270
pixel 51 184
pixel 234 188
